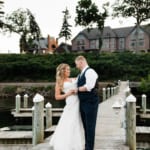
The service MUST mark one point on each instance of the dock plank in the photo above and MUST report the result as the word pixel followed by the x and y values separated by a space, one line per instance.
pixel 15 134
pixel 27 112
pixel 142 129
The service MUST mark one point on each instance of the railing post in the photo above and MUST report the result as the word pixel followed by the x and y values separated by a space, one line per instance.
pixel 48 115
pixel 32 120
pixel 144 103
pixel 127 91
pixel 131 122
pixel 25 102
pixel 104 94
pixel 115 90
pixel 112 91
pixel 108 92
pixel 38 119
pixel 18 103
pixel 119 83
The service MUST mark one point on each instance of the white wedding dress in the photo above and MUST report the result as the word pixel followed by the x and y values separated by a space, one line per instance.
pixel 69 133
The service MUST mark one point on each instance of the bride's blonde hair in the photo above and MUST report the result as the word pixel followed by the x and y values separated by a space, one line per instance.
pixel 60 70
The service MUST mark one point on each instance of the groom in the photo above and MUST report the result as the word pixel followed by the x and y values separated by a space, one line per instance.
pixel 89 100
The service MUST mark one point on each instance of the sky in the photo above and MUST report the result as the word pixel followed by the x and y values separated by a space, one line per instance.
pixel 49 16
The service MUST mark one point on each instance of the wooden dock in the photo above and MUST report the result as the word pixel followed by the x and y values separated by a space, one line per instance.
pixel 110 135
pixel 27 112
pixel 110 131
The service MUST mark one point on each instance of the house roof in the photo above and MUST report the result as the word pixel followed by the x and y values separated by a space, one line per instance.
pixel 146 28
pixel 42 43
pixel 123 32
pixel 95 33
pixel 62 48
pixel 108 32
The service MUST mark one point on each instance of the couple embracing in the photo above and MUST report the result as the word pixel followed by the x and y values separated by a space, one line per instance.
pixel 76 127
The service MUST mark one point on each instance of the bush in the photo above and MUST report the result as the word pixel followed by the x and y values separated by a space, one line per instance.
pixel 145 85
pixel 109 66
pixel 9 89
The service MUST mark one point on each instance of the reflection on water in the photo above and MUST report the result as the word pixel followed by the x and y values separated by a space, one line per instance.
pixel 6 104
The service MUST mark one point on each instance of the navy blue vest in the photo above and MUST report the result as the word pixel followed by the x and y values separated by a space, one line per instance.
pixel 84 96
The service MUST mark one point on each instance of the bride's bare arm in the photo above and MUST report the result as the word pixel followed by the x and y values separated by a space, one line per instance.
pixel 59 96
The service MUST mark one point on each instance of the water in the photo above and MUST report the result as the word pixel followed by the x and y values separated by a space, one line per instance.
pixel 7 104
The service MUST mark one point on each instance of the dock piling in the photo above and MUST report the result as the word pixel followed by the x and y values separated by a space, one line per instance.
pixel 18 103
pixel 104 94
pixel 131 122
pixel 25 102
pixel 38 119
pixel 48 115
pixel 144 103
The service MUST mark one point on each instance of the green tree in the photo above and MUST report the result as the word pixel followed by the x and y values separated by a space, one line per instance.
pixel 23 23
pixel 65 30
pixel 88 15
pixel 1 13
pixel 35 32
pixel 145 84
pixel 139 9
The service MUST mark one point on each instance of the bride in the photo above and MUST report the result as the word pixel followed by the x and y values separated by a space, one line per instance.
pixel 69 133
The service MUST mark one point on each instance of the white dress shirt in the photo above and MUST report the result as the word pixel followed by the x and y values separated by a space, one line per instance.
pixel 91 77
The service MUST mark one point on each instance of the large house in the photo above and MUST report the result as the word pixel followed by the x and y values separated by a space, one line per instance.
pixel 119 39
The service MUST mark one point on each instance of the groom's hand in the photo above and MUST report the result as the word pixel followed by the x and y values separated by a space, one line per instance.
pixel 82 89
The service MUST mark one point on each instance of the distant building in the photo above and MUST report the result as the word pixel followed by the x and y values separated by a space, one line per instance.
pixel 44 45
pixel 119 39
pixel 63 48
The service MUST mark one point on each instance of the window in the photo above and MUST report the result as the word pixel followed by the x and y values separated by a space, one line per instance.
pixel 121 43
pixel 80 44
pixel 137 38
pixel 92 44
pixel 141 43
pixel 133 43
pixel 105 43
pixel 112 43
pixel 141 35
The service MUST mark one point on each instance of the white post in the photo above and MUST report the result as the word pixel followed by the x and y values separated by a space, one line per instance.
pixel 108 92
pixel 48 115
pixel 144 103
pixel 127 91
pixel 25 102
pixel 131 122
pixel 119 83
pixel 18 103
pixel 115 90
pixel 112 91
pixel 32 119
pixel 38 119
pixel 104 94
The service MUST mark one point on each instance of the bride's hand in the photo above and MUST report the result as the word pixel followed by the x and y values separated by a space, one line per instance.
pixel 71 92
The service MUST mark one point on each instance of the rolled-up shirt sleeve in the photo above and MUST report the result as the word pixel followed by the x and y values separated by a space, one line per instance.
pixel 91 77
